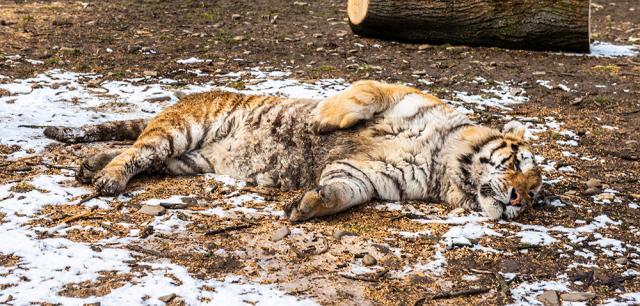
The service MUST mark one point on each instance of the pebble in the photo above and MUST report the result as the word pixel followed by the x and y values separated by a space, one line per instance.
pixel 621 261
pixel 280 233
pixel 592 191
pixel 577 296
pixel 189 200
pixel 424 47
pixel 338 233
pixel 150 73
pixel 236 16
pixel 158 99
pixel 167 298
pixel 92 304
pixel 420 72
pixel 538 73
pixel 549 298
pixel 133 48
pixel 152 210
pixel 238 38
pixel 594 183
pixel 369 260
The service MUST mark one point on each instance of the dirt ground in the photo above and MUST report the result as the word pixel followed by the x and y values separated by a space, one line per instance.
pixel 127 39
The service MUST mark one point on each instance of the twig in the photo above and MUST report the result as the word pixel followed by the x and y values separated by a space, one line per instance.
pixel 227 229
pixel 59 167
pixel 7 197
pixel 139 249
pixel 411 216
pixel 480 271
pixel 454 294
pixel 88 198
pixel 82 215
pixel 375 277
pixel 174 205
pixel 31 126
pixel 631 112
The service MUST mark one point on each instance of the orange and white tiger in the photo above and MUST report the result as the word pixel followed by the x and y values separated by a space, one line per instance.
pixel 371 141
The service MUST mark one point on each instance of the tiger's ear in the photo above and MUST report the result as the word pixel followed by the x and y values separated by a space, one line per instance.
pixel 514 128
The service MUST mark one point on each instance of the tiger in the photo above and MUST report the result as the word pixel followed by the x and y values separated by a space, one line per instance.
pixel 371 141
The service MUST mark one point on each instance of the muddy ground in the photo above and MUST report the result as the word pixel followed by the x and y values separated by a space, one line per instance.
pixel 312 40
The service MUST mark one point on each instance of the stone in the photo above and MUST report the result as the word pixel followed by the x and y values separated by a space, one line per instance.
pixel 549 298
pixel 420 72
pixel 158 99
pixel 338 233
pixel 238 38
pixel 577 296
pixel 150 73
pixel 236 16
pixel 92 304
pixel 152 210
pixel 280 233
pixel 180 94
pixel 594 183
pixel 189 200
pixel 167 298
pixel 622 261
pixel 369 260
pixel 592 191
pixel 133 48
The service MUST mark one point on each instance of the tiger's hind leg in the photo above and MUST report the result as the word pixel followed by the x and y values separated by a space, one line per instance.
pixel 192 162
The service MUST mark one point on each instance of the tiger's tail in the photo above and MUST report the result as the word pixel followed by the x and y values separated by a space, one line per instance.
pixel 114 130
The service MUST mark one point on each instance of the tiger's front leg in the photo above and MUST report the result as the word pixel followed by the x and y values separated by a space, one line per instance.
pixel 342 185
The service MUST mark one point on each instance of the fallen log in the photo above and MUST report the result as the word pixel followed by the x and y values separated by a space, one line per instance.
pixel 556 25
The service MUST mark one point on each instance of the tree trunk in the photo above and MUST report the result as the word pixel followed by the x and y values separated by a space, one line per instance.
pixel 558 25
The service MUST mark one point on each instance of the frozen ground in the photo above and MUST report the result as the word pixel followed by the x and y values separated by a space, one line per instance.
pixel 47 255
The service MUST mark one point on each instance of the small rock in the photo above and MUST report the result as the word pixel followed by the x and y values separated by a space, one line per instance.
pixel 420 72
pixel 167 298
pixel 424 47
pixel 594 183
pixel 338 233
pixel 538 73
pixel 133 48
pixel 92 304
pixel 369 260
pixel 218 25
pixel 158 99
pixel 577 296
pixel 549 298
pixel 621 261
pixel 592 191
pixel 189 200
pixel 280 233
pixel 152 210
pixel 457 211
pixel 236 16
pixel 238 38
pixel 150 73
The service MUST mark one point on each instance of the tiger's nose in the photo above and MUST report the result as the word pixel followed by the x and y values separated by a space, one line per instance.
pixel 516 199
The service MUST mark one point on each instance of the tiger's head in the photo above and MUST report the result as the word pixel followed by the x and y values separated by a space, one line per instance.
pixel 506 177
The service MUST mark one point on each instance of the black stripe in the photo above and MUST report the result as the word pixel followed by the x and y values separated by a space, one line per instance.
pixel 189 138
pixel 486 191
pixel 395 182
pixel 189 162
pixel 501 146
pixel 364 174
pixel 339 173
pixel 468 158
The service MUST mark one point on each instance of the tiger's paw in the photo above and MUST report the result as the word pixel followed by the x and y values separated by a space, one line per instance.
pixel 109 183
pixel 304 207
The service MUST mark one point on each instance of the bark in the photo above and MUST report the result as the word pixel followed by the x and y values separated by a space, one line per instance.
pixel 558 25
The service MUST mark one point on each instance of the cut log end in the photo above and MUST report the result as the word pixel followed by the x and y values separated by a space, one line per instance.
pixel 357 11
